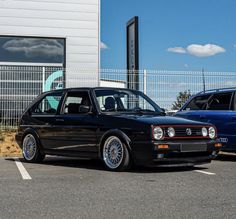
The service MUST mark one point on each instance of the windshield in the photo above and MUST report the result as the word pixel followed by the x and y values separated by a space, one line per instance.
pixel 126 101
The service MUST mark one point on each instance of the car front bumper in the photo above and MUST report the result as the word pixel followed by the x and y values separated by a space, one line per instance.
pixel 178 153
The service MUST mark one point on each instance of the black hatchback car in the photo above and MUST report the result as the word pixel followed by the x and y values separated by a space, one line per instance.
pixel 119 126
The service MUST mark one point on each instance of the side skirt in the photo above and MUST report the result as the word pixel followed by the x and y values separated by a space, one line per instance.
pixel 93 155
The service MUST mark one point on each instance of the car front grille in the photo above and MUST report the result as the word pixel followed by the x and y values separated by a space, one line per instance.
pixel 186 132
pixel 195 131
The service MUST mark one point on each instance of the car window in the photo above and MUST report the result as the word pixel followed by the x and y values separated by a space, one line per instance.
pixel 102 100
pixel 220 101
pixel 74 101
pixel 124 101
pixel 198 103
pixel 48 105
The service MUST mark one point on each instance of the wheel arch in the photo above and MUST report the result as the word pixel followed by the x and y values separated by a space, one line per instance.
pixel 33 132
pixel 118 133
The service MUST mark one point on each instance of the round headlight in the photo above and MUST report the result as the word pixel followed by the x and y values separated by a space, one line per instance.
pixel 171 132
pixel 212 132
pixel 158 133
pixel 204 132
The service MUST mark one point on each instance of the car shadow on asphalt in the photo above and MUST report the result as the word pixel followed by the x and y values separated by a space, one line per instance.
pixel 226 157
pixel 98 165
pixel 165 169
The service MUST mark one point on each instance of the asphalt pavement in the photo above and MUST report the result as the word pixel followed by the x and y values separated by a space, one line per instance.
pixel 73 188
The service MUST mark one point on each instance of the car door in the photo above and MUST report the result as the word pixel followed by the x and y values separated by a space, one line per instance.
pixel 42 117
pixel 76 125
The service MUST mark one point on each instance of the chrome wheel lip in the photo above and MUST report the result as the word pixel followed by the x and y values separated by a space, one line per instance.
pixel 113 152
pixel 29 147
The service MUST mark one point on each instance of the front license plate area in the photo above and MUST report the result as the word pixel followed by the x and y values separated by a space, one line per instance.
pixel 193 147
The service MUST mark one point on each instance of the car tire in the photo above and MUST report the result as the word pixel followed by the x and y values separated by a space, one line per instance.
pixel 115 154
pixel 30 149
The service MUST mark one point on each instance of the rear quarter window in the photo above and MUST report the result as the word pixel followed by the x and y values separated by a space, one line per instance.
pixel 48 105
pixel 220 101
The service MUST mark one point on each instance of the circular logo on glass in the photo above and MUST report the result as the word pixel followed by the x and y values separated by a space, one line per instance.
pixel 188 131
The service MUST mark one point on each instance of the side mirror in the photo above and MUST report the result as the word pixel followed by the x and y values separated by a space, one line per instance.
pixel 163 113
pixel 84 109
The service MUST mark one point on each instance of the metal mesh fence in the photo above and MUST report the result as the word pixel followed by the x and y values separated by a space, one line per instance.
pixel 164 86
pixel 19 85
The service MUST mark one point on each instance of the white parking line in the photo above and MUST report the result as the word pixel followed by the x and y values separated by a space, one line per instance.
pixel 25 175
pixel 204 172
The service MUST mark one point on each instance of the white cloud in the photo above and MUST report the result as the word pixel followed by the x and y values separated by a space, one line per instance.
pixel 176 50
pixel 199 50
pixel 204 50
pixel 235 46
pixel 186 65
pixel 35 47
pixel 103 46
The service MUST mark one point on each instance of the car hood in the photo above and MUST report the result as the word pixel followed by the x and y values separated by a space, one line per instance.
pixel 160 120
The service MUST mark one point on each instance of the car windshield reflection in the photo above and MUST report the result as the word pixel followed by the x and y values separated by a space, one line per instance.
pixel 125 101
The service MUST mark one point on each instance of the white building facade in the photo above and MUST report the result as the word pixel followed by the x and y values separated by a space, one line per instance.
pixel 57 33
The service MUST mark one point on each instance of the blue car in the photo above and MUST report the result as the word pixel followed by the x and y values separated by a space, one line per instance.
pixel 217 107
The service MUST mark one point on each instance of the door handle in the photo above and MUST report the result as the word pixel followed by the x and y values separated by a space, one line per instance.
pixel 60 120
pixel 202 117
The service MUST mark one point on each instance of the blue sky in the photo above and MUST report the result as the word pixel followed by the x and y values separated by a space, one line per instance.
pixel 174 34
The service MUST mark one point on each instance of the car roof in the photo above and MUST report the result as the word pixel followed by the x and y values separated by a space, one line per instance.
pixel 86 88
pixel 218 90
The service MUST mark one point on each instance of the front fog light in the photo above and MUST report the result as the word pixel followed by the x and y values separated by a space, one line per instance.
pixel 158 133
pixel 204 132
pixel 212 132
pixel 171 132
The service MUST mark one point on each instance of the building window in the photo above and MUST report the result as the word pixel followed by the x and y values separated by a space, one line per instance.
pixel 32 49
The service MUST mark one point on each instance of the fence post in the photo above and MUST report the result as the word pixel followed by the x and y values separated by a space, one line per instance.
pixel 43 80
pixel 43 85
pixel 99 77
pixel 145 81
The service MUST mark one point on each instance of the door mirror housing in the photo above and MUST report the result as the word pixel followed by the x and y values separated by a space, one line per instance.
pixel 163 113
